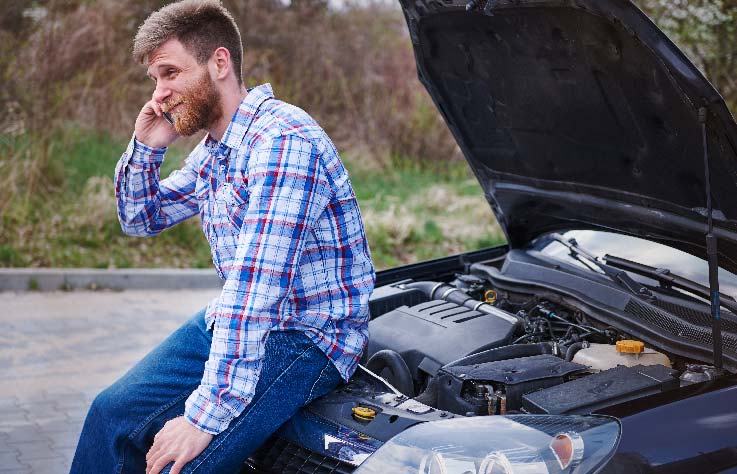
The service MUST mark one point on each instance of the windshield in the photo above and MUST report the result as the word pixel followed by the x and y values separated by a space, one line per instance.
pixel 643 251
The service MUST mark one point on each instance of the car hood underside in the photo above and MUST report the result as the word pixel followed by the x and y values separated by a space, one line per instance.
pixel 580 115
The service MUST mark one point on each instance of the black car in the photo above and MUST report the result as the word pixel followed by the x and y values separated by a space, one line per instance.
pixel 597 340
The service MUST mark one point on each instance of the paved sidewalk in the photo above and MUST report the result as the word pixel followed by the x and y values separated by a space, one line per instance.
pixel 58 350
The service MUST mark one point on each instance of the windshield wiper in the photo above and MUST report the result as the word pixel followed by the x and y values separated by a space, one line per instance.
pixel 618 276
pixel 666 277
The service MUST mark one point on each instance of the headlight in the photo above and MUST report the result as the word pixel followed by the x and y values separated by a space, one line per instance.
pixel 517 444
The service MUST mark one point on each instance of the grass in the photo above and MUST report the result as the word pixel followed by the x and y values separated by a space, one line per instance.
pixel 86 154
pixel 414 212
pixel 411 212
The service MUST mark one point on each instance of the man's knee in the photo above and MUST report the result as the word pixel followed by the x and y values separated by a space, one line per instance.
pixel 109 403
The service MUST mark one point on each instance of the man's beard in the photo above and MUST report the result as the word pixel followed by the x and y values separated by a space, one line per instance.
pixel 201 107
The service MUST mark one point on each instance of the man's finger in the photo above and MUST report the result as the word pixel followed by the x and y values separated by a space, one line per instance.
pixel 153 456
pixel 161 463
pixel 154 447
pixel 178 465
pixel 152 452
pixel 156 108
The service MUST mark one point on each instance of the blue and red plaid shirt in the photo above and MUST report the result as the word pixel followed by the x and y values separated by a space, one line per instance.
pixel 286 236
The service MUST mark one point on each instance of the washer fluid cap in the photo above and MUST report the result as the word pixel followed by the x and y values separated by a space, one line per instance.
pixel 630 347
pixel 364 413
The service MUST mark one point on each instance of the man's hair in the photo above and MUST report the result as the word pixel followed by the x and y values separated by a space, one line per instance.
pixel 202 26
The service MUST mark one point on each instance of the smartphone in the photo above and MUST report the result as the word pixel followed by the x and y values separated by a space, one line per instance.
pixel 167 117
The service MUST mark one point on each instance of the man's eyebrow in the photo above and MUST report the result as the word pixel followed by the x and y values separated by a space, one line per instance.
pixel 161 67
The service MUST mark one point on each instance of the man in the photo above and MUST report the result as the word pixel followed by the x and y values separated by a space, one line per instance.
pixel 286 237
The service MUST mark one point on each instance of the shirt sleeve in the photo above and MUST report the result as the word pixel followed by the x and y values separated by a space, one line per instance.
pixel 146 205
pixel 288 190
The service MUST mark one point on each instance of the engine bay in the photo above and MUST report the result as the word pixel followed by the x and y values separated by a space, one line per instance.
pixel 504 333
pixel 476 345
pixel 470 349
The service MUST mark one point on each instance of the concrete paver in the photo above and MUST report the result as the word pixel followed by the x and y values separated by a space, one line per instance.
pixel 58 350
pixel 34 450
pixel 9 460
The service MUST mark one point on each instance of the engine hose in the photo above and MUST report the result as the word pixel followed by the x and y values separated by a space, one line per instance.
pixel 572 349
pixel 399 375
pixel 503 353
pixel 440 291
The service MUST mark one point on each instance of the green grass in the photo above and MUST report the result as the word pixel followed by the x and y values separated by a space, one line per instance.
pixel 85 154
pixel 411 212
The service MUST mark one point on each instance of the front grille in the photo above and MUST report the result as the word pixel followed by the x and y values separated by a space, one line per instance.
pixel 690 325
pixel 279 456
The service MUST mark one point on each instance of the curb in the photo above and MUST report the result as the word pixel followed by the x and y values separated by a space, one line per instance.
pixel 55 279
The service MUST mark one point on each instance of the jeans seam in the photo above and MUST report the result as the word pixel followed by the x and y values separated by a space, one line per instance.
pixel 158 412
pixel 318 379
pixel 250 407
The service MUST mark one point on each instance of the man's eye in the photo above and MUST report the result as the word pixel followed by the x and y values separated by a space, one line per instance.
pixel 171 73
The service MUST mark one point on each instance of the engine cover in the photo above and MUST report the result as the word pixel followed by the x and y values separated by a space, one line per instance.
pixel 432 334
pixel 517 376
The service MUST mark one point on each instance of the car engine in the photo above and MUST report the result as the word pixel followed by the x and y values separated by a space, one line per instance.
pixel 460 347
pixel 473 345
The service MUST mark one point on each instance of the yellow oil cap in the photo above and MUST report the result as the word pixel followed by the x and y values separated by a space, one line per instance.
pixel 630 347
pixel 364 413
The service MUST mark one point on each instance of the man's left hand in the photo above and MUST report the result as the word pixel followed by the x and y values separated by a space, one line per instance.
pixel 177 441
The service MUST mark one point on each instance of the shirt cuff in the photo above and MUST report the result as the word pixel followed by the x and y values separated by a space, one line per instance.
pixel 206 416
pixel 141 154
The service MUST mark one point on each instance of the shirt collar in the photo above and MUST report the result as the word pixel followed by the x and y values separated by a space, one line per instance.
pixel 242 119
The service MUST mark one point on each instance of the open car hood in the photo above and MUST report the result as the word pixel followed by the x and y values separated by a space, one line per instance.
pixel 580 114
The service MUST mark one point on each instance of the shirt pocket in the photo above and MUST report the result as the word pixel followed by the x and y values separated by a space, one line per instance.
pixel 236 204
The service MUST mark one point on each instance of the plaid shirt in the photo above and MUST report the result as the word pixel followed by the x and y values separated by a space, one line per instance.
pixel 286 236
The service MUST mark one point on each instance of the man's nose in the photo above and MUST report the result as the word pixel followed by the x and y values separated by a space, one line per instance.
pixel 161 93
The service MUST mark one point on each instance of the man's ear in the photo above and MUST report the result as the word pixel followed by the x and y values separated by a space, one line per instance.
pixel 220 61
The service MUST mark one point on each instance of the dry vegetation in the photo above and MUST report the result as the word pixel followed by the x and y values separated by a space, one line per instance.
pixel 68 71
pixel 352 69
pixel 70 93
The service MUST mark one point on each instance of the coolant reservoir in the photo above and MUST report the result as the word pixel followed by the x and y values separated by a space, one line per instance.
pixel 627 353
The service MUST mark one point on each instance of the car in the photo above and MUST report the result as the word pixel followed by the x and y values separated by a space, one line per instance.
pixel 603 336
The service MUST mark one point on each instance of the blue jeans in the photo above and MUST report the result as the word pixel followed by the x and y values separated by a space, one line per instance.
pixel 124 418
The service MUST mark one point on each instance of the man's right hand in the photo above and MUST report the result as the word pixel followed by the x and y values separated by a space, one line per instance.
pixel 152 129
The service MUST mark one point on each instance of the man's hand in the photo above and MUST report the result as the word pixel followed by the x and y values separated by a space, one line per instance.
pixel 177 441
pixel 151 127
